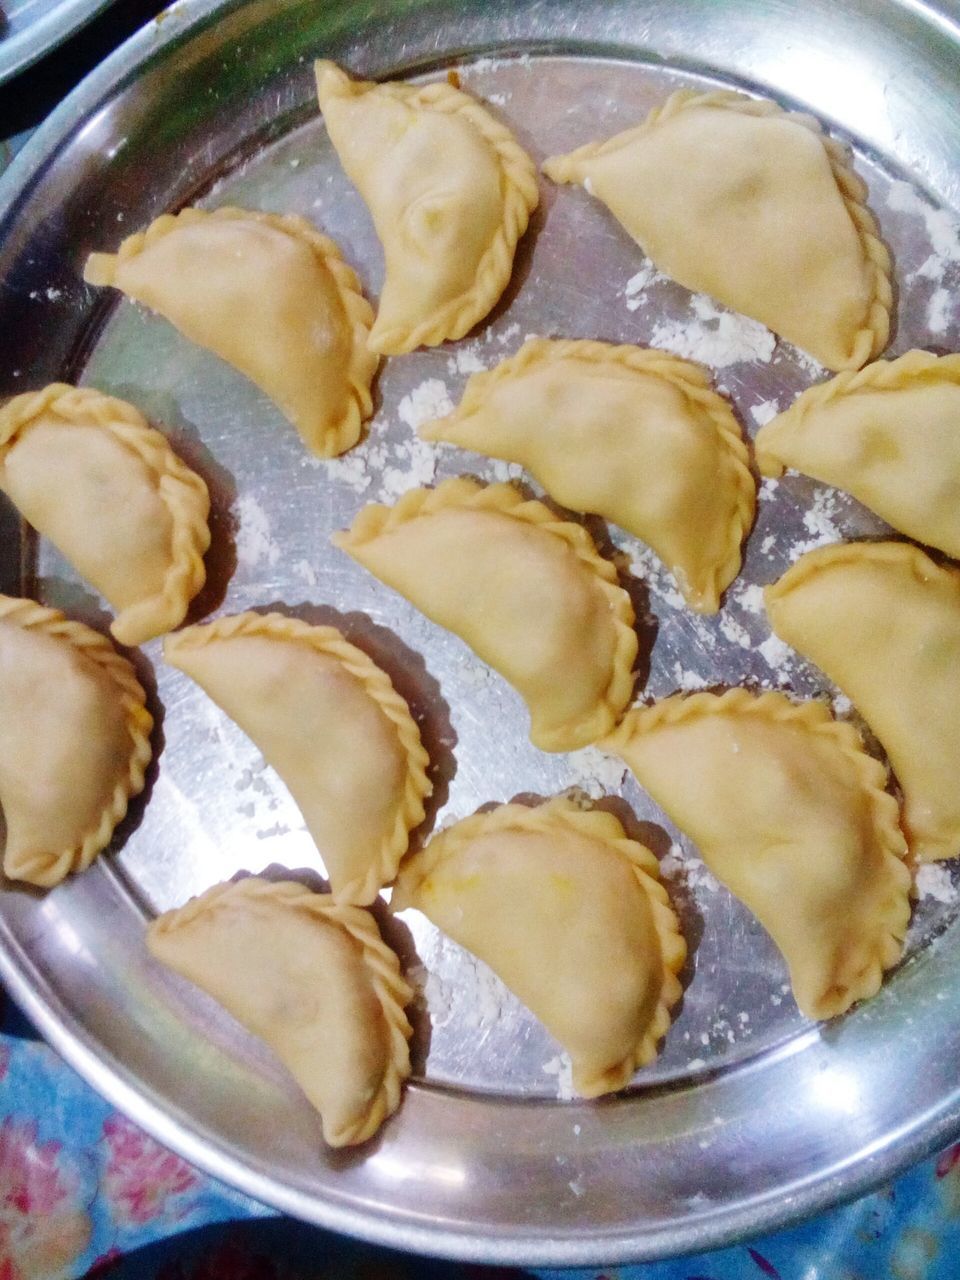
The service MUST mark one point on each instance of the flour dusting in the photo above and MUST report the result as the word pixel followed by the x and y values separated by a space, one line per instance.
pixel 933 881
pixel 938 310
pixel 429 400
pixel 254 542
pixel 305 570
pixel 414 465
pixel 715 337
pixel 641 280
pixel 591 771
pixel 679 863
pixel 688 681
pixel 735 632
pixel 749 596
pixel 820 520
pixel 777 655
pixel 562 1068
pixel 350 470
pixel 764 412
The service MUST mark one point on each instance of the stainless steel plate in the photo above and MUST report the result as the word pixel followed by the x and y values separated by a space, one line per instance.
pixel 31 28
pixel 751 1117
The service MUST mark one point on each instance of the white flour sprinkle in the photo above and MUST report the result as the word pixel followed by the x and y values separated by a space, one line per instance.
pixel 942 230
pixel 749 596
pixel 593 772
pixel 933 881
pixel 429 400
pixel 350 470
pixel 466 361
pixel 820 520
pixel 456 985
pixel 647 565
pixel 687 681
pixel 767 545
pixel 415 465
pixel 498 99
pixel 768 488
pixel 54 295
pixel 562 1068
pixel 715 337
pixel 777 655
pixel 938 311
pixel 679 863
pixel 254 543
pixel 305 570
pixel 735 632
pixel 633 289
pixel 763 412
pixel 842 706
pixel 499 469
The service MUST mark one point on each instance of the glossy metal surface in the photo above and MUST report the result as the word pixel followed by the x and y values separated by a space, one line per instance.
pixel 751 1117
pixel 31 28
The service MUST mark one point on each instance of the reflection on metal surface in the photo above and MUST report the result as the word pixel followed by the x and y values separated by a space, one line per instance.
pixel 736 1127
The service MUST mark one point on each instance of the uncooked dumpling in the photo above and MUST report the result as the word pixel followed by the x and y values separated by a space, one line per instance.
pixel 632 435
pixel 571 915
pixel 450 192
pixel 74 741
pixel 270 295
pixel 331 724
pixel 734 197
pixel 890 435
pixel 313 979
pixel 90 474
pixel 790 813
pixel 527 591
pixel 883 621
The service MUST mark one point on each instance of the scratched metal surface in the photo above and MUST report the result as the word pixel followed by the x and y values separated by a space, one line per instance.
pixel 31 28
pixel 751 1115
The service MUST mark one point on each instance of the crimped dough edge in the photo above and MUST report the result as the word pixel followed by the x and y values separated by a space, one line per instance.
pixel 181 490
pixel 101 269
pixel 592 824
pixel 901 554
pixel 884 950
pixel 390 987
pixel 914 368
pixel 692 381
pixel 520 198
pixel 30 616
pixel 377 685
pixel 503 499
pixel 873 336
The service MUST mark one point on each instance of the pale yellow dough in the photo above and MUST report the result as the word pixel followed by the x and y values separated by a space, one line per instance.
pixel 734 197
pixel 790 813
pixel 270 295
pixel 573 918
pixel 89 473
pixel 331 724
pixel 527 591
pixel 450 192
pixel 310 977
pixel 890 435
pixel 633 435
pixel 883 621
pixel 74 741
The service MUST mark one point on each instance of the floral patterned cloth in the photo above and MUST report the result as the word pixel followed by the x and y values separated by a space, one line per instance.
pixel 83 1192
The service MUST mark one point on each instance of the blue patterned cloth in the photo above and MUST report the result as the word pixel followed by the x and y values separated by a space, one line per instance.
pixel 85 1192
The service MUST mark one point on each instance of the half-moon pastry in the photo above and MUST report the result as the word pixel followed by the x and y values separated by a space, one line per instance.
pixel 790 813
pixel 450 191
pixel 527 591
pixel 634 435
pixel 313 979
pixel 734 197
pixel 331 724
pixel 74 741
pixel 889 434
pixel 571 915
pixel 89 473
pixel 883 621
pixel 270 295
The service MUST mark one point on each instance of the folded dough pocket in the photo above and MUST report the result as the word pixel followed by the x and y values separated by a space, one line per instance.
pixel 74 741
pixel 527 591
pixel 313 979
pixel 270 295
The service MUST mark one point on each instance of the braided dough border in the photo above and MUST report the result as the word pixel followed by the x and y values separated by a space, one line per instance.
pixel 374 519
pixel 870 340
pixel 391 989
pixel 519 193
pixel 181 491
pixel 591 824
pixel 329 642
pixel 101 269
pixel 692 381
pixel 815 718
pixel 96 649
pixel 911 369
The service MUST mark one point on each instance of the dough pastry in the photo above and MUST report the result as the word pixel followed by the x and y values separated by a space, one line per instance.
pixel 632 435
pixel 88 473
pixel 527 591
pixel 270 295
pixel 883 621
pixel 890 435
pixel 74 741
pixel 734 197
pixel 312 978
pixel 790 813
pixel 331 724
pixel 450 192
pixel 572 916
